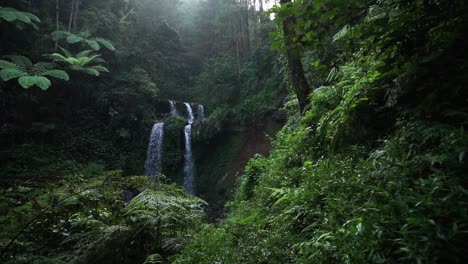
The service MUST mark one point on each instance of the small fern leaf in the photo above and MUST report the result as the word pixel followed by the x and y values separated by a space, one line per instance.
pixel 93 44
pixel 106 43
pixel 57 74
pixel 27 81
pixel 8 74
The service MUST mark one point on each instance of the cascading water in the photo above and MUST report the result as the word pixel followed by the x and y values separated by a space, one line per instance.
pixel 201 113
pixel 189 179
pixel 189 113
pixel 154 155
pixel 173 108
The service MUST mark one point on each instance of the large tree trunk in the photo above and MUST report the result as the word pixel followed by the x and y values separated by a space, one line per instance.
pixel 296 71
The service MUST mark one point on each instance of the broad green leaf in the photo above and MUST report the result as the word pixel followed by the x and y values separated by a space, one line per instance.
pixel 8 74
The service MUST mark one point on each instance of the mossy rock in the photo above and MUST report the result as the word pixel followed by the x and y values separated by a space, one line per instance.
pixel 174 147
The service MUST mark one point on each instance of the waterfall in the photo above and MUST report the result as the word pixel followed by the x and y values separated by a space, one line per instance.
pixel 190 113
pixel 154 155
pixel 201 113
pixel 189 179
pixel 173 108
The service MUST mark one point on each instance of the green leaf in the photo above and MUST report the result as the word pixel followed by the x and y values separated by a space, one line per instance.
pixel 93 44
pixel 84 53
pixel 90 71
pixel 276 45
pixel 21 61
pixel 57 74
pixel 106 43
pixel 7 65
pixel 43 66
pixel 100 68
pixel 72 39
pixel 40 81
pixel 8 74
pixel 58 56
pixel 60 34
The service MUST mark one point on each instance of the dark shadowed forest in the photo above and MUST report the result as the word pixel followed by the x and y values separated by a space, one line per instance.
pixel 233 131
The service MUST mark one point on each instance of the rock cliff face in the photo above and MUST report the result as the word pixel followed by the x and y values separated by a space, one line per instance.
pixel 221 160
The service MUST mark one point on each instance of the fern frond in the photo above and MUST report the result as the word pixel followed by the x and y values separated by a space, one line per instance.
pixel 8 74
pixel 56 74
pixel 93 44
pixel 72 39
pixel 100 68
pixel 89 71
pixel 21 61
pixel 84 53
pixel 106 43
pixel 59 34
pixel 8 65
pixel 12 15
pixel 66 52
pixel 27 81
pixel 43 66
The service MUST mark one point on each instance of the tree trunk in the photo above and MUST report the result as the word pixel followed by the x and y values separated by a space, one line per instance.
pixel 75 16
pixel 296 71
pixel 56 20
pixel 71 16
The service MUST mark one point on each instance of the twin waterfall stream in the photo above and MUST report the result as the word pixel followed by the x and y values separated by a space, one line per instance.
pixel 153 163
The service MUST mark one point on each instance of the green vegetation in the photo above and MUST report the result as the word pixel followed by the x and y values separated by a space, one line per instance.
pixel 368 167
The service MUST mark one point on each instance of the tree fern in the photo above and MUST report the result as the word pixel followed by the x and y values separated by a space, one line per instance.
pixel 81 62
pixel 84 38
pixel 15 16
pixel 29 74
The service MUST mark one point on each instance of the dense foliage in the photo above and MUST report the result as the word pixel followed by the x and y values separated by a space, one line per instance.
pixel 374 171
pixel 370 166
